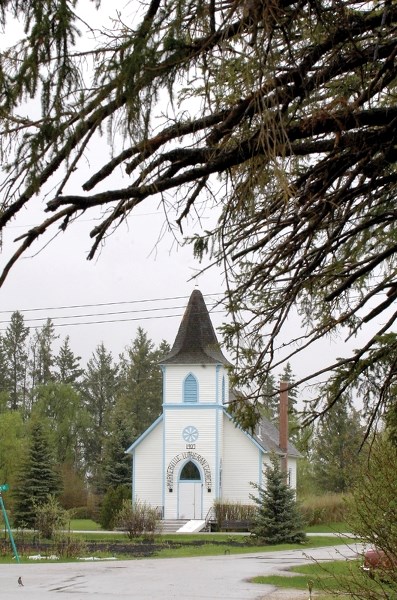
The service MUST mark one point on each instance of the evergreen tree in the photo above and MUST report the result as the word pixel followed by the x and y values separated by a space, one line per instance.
pixel 278 520
pixel 15 358
pixel 42 361
pixel 336 447
pixel 98 390
pixel 68 365
pixel 141 382
pixel 288 376
pixel 4 380
pixel 38 477
pixel 270 398
pixel 116 463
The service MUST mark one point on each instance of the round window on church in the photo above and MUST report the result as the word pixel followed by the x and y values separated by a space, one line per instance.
pixel 190 472
pixel 190 434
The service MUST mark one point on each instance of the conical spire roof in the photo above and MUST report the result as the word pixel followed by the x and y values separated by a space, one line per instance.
pixel 196 341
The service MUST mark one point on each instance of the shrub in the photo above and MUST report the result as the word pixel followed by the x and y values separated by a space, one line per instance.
pixel 112 504
pixel 66 546
pixel 138 518
pixel 233 511
pixel 50 517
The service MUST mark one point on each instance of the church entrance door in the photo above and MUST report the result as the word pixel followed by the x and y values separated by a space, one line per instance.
pixel 190 492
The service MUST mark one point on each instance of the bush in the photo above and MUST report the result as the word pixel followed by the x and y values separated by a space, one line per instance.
pixel 237 512
pixel 112 504
pixel 50 517
pixel 321 510
pixel 66 546
pixel 138 518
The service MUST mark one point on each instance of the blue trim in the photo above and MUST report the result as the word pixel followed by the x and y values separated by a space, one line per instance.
pixel 217 369
pixel 133 477
pixel 260 478
pixel 164 468
pixel 163 370
pixel 144 434
pixel 217 490
pixel 193 406
pixel 190 389
pixel 178 481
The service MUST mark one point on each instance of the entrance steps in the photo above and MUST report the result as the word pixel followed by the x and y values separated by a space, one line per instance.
pixel 172 525
pixel 182 525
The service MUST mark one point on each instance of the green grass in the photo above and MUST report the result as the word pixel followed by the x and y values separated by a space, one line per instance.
pixel 326 579
pixel 84 525
pixel 341 527
pixel 211 547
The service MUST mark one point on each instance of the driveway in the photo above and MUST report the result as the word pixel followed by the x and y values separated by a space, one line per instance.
pixel 204 578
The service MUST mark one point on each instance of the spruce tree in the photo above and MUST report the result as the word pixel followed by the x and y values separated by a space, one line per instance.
pixel 278 520
pixel 37 480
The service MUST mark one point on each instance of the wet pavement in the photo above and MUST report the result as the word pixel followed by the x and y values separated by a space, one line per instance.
pixel 198 578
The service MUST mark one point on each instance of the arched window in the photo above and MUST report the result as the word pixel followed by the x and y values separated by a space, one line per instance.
pixel 190 472
pixel 190 391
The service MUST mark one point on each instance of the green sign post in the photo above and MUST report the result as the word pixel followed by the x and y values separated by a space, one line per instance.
pixel 4 488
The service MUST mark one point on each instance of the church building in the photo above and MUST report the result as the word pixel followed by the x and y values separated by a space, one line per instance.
pixel 194 454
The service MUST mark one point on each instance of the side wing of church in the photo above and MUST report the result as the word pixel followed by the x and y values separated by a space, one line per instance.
pixel 193 454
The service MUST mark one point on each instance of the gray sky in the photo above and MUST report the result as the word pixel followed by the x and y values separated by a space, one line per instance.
pixel 133 266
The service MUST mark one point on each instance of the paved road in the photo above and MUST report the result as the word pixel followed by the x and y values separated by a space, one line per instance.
pixel 204 578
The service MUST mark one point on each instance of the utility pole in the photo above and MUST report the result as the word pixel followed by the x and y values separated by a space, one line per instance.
pixel 4 488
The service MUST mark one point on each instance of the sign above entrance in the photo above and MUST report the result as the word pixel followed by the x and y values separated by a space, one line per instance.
pixel 195 457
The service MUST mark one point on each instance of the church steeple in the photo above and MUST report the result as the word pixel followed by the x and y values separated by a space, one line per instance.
pixel 196 341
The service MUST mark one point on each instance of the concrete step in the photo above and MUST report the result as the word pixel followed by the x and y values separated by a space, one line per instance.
pixel 172 525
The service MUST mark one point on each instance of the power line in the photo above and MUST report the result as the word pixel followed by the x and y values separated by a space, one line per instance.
pixel 123 320
pixel 121 302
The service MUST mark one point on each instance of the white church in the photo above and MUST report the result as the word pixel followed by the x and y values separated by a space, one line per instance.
pixel 194 454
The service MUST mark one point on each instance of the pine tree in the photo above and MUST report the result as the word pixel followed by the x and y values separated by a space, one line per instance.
pixel 68 364
pixel 42 362
pixel 278 520
pixel 15 357
pixel 269 396
pixel 336 447
pixel 141 382
pixel 98 390
pixel 38 478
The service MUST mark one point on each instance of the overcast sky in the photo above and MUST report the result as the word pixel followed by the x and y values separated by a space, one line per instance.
pixel 131 270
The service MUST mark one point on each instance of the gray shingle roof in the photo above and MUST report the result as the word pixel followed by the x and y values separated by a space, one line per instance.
pixel 196 341
pixel 267 435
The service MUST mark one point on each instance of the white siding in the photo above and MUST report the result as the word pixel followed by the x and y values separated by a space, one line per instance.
pixel 204 420
pixel 240 464
pixel 209 379
pixel 148 468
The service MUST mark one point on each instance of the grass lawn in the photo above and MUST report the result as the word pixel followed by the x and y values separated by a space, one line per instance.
pixel 169 546
pixel 84 525
pixel 341 527
pixel 326 579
